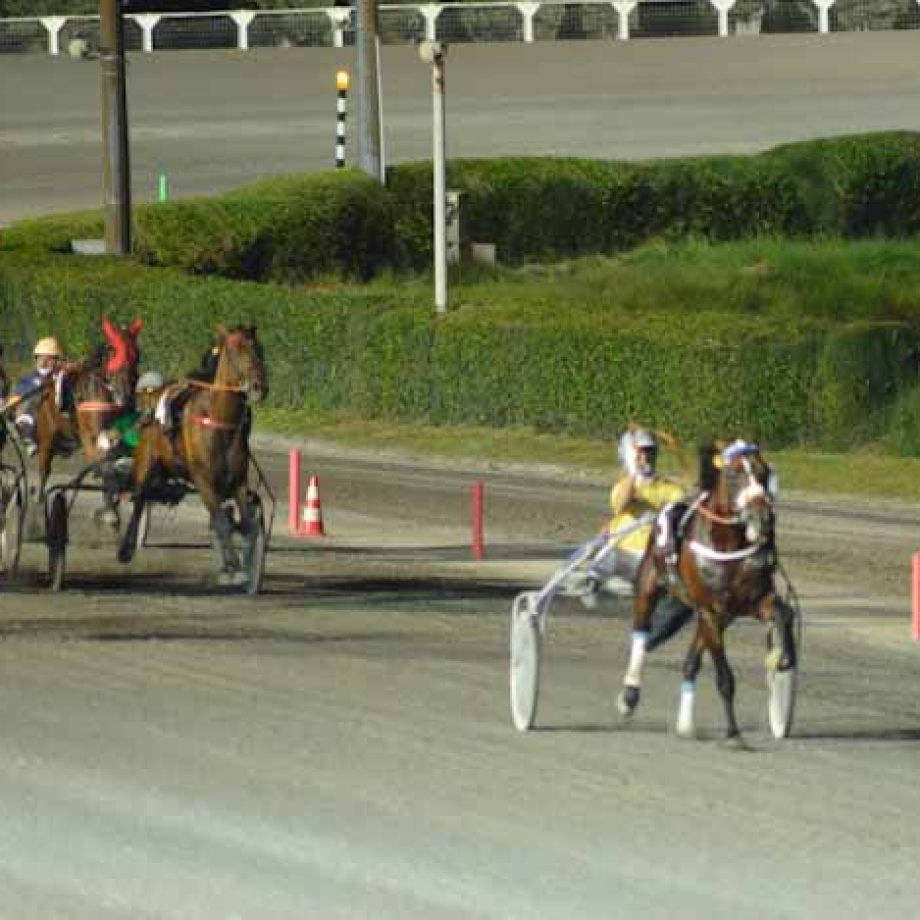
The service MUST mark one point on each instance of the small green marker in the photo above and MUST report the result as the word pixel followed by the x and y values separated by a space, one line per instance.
pixel 163 188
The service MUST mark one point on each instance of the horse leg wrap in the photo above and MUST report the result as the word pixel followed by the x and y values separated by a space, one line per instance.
pixel 637 649
pixel 685 726
pixel 223 527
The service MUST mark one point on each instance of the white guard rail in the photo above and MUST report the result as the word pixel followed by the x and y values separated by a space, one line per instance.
pixel 478 21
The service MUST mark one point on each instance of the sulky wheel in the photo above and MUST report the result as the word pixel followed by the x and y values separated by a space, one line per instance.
pixel 143 526
pixel 12 517
pixel 781 687
pixel 525 661
pixel 56 538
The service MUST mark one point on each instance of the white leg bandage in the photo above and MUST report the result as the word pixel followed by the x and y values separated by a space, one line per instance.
pixel 685 711
pixel 633 676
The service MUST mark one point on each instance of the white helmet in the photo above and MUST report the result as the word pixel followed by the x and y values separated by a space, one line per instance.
pixel 150 380
pixel 631 442
pixel 47 347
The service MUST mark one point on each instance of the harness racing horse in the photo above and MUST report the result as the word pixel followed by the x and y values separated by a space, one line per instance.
pixel 726 568
pixel 84 398
pixel 210 449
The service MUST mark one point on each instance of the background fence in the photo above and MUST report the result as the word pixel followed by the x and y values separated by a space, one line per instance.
pixel 521 21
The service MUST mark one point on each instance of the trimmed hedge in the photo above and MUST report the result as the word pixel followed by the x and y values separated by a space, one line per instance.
pixel 756 362
pixel 293 229
pixel 283 230
pixel 788 381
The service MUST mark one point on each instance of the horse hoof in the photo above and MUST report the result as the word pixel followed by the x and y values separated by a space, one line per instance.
pixel 627 701
pixel 106 517
pixel 736 743
pixel 232 578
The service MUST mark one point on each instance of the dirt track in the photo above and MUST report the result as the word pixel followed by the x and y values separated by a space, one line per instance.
pixel 341 746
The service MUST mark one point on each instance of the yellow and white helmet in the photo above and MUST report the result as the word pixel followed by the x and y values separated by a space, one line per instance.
pixel 48 347
pixel 631 443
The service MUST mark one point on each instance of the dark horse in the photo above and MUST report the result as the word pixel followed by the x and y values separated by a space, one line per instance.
pixel 725 569
pixel 85 397
pixel 211 448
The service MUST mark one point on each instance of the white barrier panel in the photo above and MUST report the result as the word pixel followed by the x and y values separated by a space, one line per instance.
pixel 477 21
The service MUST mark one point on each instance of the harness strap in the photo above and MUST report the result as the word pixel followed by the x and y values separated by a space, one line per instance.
pixel 207 422
pixel 715 555
pixel 90 406
pixel 232 388
pixel 691 510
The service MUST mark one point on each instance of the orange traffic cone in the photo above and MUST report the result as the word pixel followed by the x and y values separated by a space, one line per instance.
pixel 312 524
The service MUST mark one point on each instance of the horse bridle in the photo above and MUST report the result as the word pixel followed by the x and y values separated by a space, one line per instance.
pixel 231 353
pixel 753 490
pixel 206 421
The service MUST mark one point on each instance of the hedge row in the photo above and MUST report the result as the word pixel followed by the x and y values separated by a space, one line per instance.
pixel 372 353
pixel 294 229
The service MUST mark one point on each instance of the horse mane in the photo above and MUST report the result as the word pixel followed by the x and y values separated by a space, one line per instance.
pixel 97 358
pixel 709 470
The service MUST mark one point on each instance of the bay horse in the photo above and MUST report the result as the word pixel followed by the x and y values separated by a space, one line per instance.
pixel 210 449
pixel 85 397
pixel 725 569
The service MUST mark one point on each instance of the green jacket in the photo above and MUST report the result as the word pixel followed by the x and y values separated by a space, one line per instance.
pixel 128 430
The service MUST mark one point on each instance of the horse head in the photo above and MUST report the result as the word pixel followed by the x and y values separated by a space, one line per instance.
pixel 122 359
pixel 742 484
pixel 241 362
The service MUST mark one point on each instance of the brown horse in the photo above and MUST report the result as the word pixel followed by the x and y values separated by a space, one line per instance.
pixel 210 451
pixel 726 569
pixel 78 403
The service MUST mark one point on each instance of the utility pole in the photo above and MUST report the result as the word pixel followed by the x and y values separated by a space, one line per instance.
pixel 368 89
pixel 434 53
pixel 116 171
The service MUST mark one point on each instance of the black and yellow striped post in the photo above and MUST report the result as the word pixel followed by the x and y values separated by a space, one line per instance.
pixel 341 84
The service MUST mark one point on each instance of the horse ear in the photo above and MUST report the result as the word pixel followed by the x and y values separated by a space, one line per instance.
pixel 135 327
pixel 221 330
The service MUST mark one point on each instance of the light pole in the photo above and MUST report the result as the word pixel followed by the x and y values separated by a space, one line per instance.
pixel 341 85
pixel 433 53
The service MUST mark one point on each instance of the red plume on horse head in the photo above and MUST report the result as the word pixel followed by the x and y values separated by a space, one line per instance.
pixel 123 342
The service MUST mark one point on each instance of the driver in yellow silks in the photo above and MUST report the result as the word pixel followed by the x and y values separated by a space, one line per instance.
pixel 635 501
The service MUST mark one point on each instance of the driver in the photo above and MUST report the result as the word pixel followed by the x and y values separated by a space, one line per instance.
pixel 120 441
pixel 635 500
pixel 49 361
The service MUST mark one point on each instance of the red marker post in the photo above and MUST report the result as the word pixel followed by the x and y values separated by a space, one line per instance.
pixel 915 599
pixel 478 500
pixel 294 491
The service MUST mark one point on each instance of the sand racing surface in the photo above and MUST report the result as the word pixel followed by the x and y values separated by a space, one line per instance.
pixel 341 745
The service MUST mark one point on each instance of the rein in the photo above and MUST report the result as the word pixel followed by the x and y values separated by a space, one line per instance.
pixel 732 521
